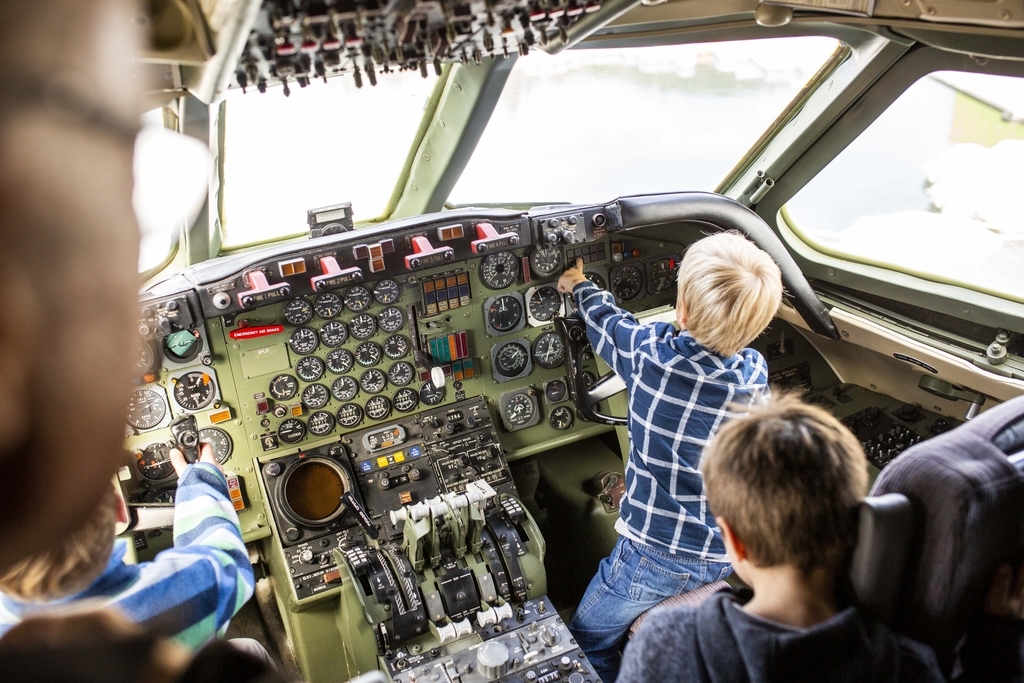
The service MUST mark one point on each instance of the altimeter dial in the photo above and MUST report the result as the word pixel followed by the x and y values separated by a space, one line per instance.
pixel 146 409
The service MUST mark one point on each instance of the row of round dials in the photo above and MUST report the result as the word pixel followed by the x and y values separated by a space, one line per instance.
pixel 349 415
pixel 334 333
pixel 512 358
pixel 192 391
pixel 501 269
pixel 284 387
pixel 329 305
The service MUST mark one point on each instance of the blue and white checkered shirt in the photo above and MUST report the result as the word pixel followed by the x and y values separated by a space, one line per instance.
pixel 679 394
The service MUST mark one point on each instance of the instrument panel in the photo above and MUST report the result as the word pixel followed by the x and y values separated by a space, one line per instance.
pixel 295 346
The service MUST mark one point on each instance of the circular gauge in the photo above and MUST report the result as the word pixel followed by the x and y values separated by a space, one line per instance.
pixel 283 387
pixel 220 440
pixel 291 430
pixel 512 359
pixel 163 495
pixel 349 415
pixel 339 361
pixel 194 390
pixel 303 341
pixel 386 292
pixel 391 319
pixel 555 391
pixel 549 350
pixel 309 368
pixel 519 410
pixel 431 395
pixel 357 299
pixel 146 409
pixel 378 407
pixel 545 261
pixel 396 346
pixel 405 400
pixel 344 389
pixel 560 418
pixel 298 312
pixel 544 304
pixel 146 359
pixel 183 346
pixel 368 353
pixel 627 283
pixel 333 333
pixel 327 305
pixel 363 326
pixel 315 396
pixel 320 423
pixel 400 373
pixel 312 491
pixel 504 313
pixel 500 270
pixel 373 381
pixel 597 279
pixel 154 462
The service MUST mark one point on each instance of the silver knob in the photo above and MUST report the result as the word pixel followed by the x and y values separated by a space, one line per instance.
pixel 492 660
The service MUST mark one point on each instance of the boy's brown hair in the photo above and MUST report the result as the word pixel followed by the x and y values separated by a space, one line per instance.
pixel 787 477
pixel 70 565
pixel 730 289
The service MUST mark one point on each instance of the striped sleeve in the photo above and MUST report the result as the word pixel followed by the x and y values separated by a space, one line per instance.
pixel 193 589
pixel 614 333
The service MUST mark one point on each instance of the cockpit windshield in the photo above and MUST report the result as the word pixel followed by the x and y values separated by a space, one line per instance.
pixel 321 145
pixel 591 125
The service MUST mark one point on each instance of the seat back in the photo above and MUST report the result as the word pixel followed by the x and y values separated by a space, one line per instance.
pixel 968 517
pixel 885 536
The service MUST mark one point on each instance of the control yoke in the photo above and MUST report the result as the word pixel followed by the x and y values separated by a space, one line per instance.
pixel 586 398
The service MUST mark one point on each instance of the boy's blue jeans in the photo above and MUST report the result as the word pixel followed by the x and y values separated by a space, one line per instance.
pixel 634 578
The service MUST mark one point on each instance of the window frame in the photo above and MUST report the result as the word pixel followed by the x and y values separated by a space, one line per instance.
pixel 933 293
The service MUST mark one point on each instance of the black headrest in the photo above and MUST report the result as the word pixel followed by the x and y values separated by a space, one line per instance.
pixel 885 535
pixel 968 502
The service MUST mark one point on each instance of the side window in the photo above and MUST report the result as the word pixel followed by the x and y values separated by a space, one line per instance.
pixel 932 187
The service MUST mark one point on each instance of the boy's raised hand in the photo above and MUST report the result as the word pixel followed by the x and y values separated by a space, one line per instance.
pixel 205 455
pixel 571 277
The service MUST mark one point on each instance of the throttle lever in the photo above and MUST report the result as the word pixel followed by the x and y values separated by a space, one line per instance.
pixel 364 519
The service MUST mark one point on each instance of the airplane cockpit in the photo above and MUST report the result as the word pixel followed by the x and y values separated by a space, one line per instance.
pixel 361 316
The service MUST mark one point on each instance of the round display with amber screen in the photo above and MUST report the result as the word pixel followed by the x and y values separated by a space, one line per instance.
pixel 314 489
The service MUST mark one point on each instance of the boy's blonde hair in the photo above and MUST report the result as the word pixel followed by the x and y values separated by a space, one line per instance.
pixel 69 566
pixel 730 289
pixel 787 478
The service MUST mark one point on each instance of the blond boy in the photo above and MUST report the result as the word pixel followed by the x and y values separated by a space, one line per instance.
pixel 681 385
pixel 784 483
pixel 188 592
